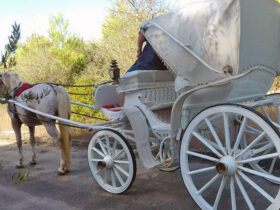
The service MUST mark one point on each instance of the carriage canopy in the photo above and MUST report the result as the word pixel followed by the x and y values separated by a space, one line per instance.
pixel 202 40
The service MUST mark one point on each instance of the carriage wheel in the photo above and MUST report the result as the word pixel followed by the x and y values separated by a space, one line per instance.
pixel 112 161
pixel 216 171
pixel 270 165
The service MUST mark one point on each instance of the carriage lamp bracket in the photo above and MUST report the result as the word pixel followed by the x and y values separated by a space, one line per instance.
pixel 114 72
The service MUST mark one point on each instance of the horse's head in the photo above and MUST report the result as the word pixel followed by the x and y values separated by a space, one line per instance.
pixel 8 82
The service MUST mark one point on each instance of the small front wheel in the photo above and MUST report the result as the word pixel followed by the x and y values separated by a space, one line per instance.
pixel 111 161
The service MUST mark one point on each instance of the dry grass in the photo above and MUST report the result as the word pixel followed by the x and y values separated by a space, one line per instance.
pixel 5 123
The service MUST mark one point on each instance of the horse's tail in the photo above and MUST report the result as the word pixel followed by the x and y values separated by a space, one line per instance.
pixel 64 111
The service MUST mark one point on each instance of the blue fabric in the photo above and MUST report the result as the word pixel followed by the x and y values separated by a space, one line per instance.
pixel 148 60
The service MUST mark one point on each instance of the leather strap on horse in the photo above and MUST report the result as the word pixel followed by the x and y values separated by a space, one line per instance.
pixel 21 89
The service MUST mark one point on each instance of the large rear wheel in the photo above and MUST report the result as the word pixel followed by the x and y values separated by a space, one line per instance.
pixel 215 167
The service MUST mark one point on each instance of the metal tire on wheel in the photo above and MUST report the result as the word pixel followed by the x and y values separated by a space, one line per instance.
pixel 111 161
pixel 215 168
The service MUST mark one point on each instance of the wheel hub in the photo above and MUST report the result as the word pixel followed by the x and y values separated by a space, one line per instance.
pixel 226 166
pixel 107 162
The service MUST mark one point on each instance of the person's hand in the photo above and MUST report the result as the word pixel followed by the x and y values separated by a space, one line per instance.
pixel 139 53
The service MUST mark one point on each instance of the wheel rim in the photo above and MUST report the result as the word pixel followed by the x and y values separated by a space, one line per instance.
pixel 222 163
pixel 111 161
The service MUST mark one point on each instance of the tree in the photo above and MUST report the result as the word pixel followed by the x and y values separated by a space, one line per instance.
pixel 58 58
pixel 121 27
pixel 11 47
pixel 148 8
pixel 58 32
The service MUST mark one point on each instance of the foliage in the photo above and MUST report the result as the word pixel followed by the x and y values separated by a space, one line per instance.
pixel 58 32
pixel 11 47
pixel 121 27
pixel 21 177
pixel 57 58
pixel 90 76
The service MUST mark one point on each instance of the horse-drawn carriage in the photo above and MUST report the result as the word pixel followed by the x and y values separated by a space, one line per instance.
pixel 209 113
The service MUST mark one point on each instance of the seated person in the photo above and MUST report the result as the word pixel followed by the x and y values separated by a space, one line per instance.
pixel 146 59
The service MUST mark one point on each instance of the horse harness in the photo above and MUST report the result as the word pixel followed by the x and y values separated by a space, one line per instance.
pixel 16 92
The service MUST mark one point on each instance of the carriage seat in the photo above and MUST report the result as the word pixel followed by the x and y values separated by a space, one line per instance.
pixel 153 88
pixel 145 79
pixel 108 101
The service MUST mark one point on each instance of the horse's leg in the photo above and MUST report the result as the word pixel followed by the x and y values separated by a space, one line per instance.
pixel 32 143
pixel 53 132
pixel 16 124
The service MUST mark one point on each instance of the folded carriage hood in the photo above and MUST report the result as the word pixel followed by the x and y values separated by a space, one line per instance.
pixel 211 30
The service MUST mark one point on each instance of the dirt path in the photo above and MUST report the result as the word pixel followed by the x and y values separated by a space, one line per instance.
pixel 45 190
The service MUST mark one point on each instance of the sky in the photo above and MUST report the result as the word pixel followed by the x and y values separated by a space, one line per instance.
pixel 85 16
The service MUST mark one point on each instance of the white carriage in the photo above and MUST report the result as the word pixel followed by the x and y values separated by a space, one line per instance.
pixel 208 113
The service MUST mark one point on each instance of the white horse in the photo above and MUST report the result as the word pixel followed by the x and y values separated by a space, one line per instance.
pixel 47 98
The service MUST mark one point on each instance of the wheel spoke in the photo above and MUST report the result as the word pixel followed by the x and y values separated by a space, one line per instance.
pixel 227 134
pixel 272 165
pixel 108 145
pixel 118 176
pixel 251 144
pixel 96 160
pixel 244 193
pixel 263 157
pixel 214 134
pixel 221 189
pixel 208 184
pixel 252 130
pixel 98 151
pixel 113 178
pixel 202 170
pixel 262 149
pixel 124 172
pixel 257 187
pixel 119 154
pixel 102 146
pixel 266 114
pixel 261 174
pixel 114 147
pixel 232 193
pixel 205 142
pixel 202 156
pixel 121 161
pixel 240 133
pixel 105 180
